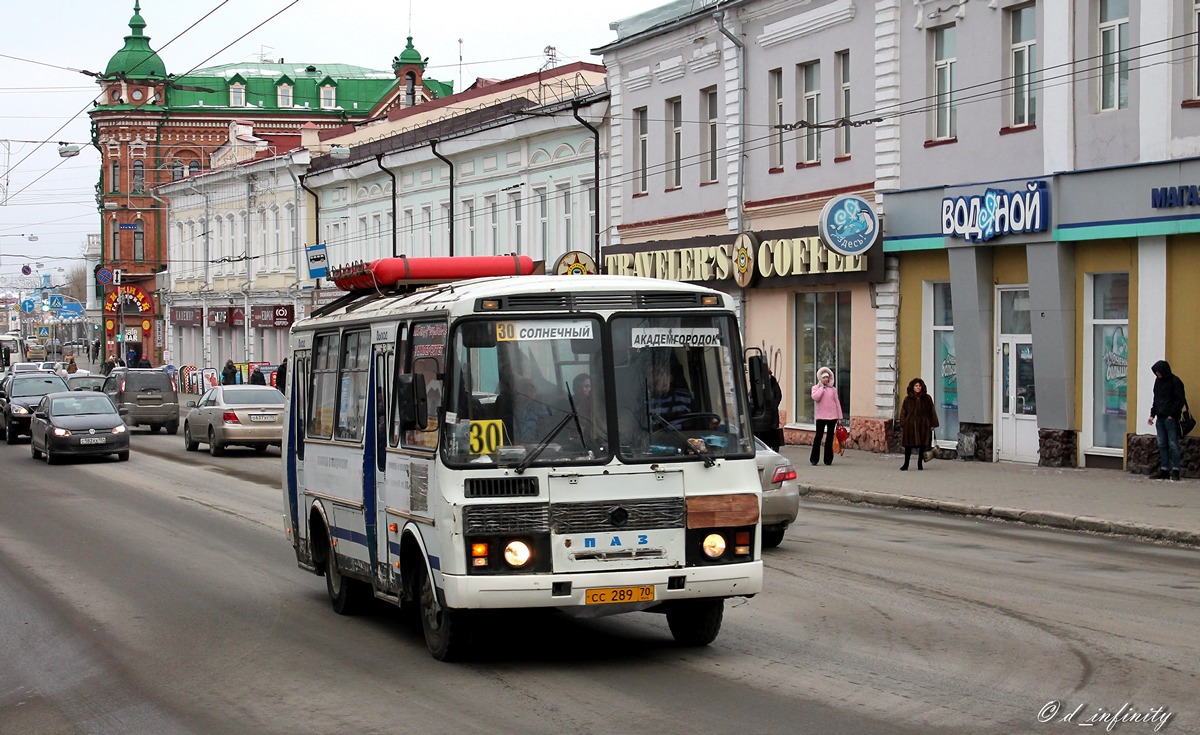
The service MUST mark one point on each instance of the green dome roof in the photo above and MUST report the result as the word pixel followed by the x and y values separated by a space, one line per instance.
pixel 408 56
pixel 136 60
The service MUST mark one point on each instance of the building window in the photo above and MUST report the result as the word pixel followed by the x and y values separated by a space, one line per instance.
pixel 277 246
pixel 410 89
pixel 775 116
pixel 426 230
pixel 945 114
pixel 810 89
pixel 824 341
pixel 261 255
pixel 283 96
pixel 641 128
pixel 493 224
pixel 237 95
pixel 443 240
pixel 177 171
pixel 592 222
pixel 543 233
pixel 675 143
pixel 1108 319
pixel 515 205
pixel 406 219
pixel 944 389
pixel 114 176
pixel 568 226
pixel 1024 65
pixel 139 177
pixel 139 241
pixel 293 245
pixel 708 142
pixel 1114 54
pixel 116 241
pixel 193 168
pixel 1196 50
pixel 468 217
pixel 843 103
pixel 328 97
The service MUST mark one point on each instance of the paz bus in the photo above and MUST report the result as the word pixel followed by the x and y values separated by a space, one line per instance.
pixel 522 441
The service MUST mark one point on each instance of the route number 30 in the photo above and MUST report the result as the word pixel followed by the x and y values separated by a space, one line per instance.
pixel 486 436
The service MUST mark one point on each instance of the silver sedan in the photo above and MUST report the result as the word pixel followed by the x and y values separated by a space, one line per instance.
pixel 244 415
pixel 780 493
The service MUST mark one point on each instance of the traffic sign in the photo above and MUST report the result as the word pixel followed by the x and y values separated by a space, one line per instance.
pixel 26 270
pixel 27 306
pixel 56 301
pixel 104 275
pixel 43 332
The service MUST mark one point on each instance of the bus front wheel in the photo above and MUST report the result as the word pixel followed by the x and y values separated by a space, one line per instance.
pixel 695 622
pixel 445 629
pixel 348 596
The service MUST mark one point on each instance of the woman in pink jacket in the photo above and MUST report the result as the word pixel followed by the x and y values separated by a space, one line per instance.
pixel 827 411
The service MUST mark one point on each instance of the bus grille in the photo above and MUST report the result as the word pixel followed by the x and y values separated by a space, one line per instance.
pixel 502 487
pixel 515 518
pixel 614 516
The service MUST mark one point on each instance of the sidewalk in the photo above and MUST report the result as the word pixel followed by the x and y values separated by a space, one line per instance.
pixel 1107 501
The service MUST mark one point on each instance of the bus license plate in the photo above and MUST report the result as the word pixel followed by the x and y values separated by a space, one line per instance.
pixel 610 595
pixel 92 440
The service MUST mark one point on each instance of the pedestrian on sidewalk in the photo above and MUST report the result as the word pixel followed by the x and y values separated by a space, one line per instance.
pixel 918 419
pixel 770 432
pixel 281 376
pixel 256 376
pixel 229 373
pixel 827 410
pixel 1169 400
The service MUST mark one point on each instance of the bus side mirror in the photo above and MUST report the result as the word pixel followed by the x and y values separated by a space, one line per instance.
pixel 412 408
pixel 760 386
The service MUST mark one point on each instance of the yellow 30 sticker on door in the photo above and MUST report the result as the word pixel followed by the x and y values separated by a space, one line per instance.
pixel 486 436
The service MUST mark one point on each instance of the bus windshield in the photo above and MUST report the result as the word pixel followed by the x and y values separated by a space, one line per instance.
pixel 677 389
pixel 525 390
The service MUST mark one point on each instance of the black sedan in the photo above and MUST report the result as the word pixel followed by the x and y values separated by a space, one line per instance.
pixel 77 423
pixel 19 393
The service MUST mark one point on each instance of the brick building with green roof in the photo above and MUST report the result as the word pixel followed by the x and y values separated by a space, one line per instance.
pixel 151 126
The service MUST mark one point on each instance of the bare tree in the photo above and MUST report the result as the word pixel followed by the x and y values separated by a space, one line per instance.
pixel 76 285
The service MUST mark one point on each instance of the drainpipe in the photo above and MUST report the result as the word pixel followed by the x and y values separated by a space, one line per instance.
pixel 448 162
pixel 316 217
pixel 719 17
pixel 595 177
pixel 296 230
pixel 395 193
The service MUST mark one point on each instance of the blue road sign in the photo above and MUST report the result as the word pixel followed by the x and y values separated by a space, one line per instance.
pixel 43 332
pixel 104 275
pixel 56 301
pixel 27 306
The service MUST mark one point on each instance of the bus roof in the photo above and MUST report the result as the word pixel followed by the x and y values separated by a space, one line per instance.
pixel 536 294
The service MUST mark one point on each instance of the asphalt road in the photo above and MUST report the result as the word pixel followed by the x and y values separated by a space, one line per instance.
pixel 160 596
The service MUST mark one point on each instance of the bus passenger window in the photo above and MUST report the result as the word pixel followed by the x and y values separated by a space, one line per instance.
pixel 352 390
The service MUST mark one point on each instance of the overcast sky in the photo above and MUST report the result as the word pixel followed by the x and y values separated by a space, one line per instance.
pixel 42 91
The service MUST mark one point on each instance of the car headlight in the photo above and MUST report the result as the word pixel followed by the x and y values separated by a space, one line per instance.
pixel 119 429
pixel 61 432
pixel 20 410
pixel 713 545
pixel 517 553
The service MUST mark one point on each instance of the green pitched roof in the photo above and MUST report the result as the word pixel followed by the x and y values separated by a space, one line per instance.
pixel 136 60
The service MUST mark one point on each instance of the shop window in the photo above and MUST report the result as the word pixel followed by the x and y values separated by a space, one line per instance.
pixel 944 386
pixel 1108 320
pixel 823 341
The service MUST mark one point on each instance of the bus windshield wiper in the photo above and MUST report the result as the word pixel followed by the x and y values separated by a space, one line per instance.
pixel 541 447
pixel 687 443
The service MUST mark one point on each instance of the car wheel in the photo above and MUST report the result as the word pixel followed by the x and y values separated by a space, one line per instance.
pixel 215 448
pixel 189 444
pixel 4 428
pixel 11 438
pixel 37 454
pixel 447 632
pixel 154 428
pixel 695 622
pixel 50 458
pixel 772 537
pixel 122 456
pixel 172 427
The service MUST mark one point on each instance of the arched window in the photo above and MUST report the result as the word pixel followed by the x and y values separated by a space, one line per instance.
pixel 410 89
pixel 193 168
pixel 139 177
pixel 139 241
pixel 177 170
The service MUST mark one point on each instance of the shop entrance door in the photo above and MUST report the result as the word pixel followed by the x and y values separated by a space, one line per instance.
pixel 1016 437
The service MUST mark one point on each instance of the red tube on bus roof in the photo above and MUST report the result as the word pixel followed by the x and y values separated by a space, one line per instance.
pixel 387 272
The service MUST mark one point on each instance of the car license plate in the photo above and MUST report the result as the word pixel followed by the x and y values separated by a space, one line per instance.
pixel 92 440
pixel 610 595
pixel 261 417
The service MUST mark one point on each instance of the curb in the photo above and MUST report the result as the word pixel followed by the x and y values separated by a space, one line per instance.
pixel 1032 517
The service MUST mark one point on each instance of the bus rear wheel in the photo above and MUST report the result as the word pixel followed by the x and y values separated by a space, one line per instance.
pixel 347 596
pixel 695 622
pixel 446 631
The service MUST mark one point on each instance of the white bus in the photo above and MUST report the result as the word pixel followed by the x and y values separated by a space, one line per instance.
pixel 571 442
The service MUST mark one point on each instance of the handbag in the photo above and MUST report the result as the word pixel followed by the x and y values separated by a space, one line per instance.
pixel 841 433
pixel 927 453
pixel 1187 422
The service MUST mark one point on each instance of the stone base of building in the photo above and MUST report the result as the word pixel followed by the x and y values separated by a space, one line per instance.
pixel 975 442
pixel 868 434
pixel 1141 454
pixel 1058 448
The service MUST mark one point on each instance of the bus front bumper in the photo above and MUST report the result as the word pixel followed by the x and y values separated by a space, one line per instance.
pixel 602 590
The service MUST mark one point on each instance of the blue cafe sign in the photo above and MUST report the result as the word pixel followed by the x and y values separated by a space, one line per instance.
pixel 997 212
pixel 848 225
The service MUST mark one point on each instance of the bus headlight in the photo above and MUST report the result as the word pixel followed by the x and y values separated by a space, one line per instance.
pixel 713 545
pixel 517 553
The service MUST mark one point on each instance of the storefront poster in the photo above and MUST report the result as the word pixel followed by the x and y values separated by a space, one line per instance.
pixel 948 372
pixel 1116 366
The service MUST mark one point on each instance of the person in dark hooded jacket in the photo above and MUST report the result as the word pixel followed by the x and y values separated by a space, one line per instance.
pixel 1169 400
pixel 918 419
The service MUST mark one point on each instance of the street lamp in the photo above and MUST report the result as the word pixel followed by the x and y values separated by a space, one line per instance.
pixel 30 238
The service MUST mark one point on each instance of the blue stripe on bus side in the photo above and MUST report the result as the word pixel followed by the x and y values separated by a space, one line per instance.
pixel 434 562
pixel 348 535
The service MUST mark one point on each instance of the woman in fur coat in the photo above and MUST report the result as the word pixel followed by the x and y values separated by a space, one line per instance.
pixel 918 419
